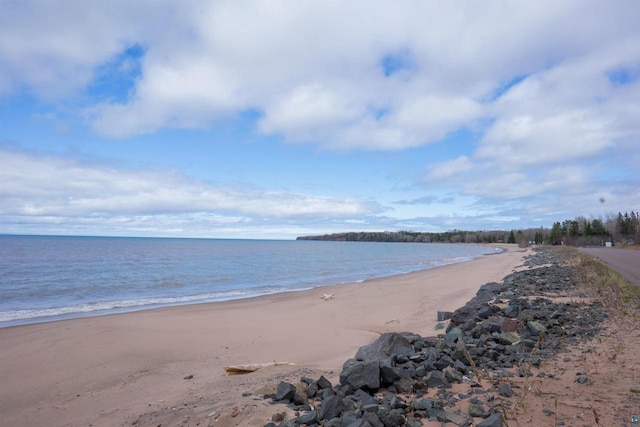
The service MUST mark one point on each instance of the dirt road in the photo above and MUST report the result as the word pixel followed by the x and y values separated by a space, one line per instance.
pixel 625 262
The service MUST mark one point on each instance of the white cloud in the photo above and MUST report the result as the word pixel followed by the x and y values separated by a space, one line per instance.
pixel 310 66
pixel 444 170
pixel 48 186
pixel 307 112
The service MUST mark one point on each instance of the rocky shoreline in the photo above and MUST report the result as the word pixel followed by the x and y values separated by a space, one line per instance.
pixel 462 376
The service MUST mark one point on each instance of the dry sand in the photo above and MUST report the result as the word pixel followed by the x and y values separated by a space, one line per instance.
pixel 128 369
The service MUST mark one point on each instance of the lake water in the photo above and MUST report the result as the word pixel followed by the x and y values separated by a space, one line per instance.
pixel 44 278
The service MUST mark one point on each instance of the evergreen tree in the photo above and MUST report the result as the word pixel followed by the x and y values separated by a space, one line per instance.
pixel 556 234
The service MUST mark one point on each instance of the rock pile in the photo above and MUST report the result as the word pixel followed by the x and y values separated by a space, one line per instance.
pixel 401 379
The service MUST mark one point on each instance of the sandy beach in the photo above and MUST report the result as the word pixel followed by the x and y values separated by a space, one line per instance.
pixel 111 370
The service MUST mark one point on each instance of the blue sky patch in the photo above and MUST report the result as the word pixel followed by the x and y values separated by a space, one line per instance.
pixel 501 90
pixel 623 76
pixel 395 62
pixel 116 79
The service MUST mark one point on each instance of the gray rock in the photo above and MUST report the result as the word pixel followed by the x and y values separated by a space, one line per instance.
pixel 536 328
pixel 312 389
pixel 394 418
pixel 389 344
pixel 425 404
pixel 348 418
pixel 435 379
pixel 452 376
pixel 324 383
pixel 494 420
pixel 359 423
pixel 308 418
pixel 485 311
pixel 388 373
pixel 330 407
pixel 505 390
pixel 361 374
pixel 285 391
pixel 453 335
pixel 459 418
pixel 363 398
pixel 477 410
pixel 371 407
pixel 444 315
pixel 372 419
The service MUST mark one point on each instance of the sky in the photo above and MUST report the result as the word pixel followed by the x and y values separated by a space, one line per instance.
pixel 275 119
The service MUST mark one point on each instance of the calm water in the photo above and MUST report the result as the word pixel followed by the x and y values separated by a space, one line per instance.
pixel 45 278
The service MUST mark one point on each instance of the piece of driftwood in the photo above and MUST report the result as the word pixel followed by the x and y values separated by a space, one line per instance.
pixel 245 369
pixel 327 297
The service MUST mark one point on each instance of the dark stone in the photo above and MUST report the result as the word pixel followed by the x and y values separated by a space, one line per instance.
pixel 358 423
pixel 308 418
pixel 511 311
pixel 388 373
pixel 425 404
pixel 487 292
pixel 372 418
pixel 362 397
pixel 535 361
pixel 461 367
pixel 459 418
pixel 394 402
pixel 444 315
pixel 485 311
pixel 330 408
pixel 312 389
pixel 453 335
pixel 285 391
pixel 188 377
pixel 404 385
pixel 389 344
pixel 444 361
pixel 324 383
pixel 494 420
pixel 505 390
pixel 452 376
pixel 334 422
pixel 361 374
pixel 371 407
pixel 435 379
pixel 394 418
pixel 477 410
pixel 348 418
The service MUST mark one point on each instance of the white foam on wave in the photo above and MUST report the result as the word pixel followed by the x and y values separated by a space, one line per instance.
pixel 123 305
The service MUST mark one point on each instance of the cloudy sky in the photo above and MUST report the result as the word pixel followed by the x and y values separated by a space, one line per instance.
pixel 274 119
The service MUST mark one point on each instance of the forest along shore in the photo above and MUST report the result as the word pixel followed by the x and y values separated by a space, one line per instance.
pixel 535 349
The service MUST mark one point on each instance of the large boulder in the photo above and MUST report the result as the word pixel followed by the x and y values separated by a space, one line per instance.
pixel 361 374
pixel 388 345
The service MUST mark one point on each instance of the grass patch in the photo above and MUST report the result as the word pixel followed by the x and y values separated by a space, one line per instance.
pixel 619 296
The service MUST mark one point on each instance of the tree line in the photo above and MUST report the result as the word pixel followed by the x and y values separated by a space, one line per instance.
pixel 620 228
